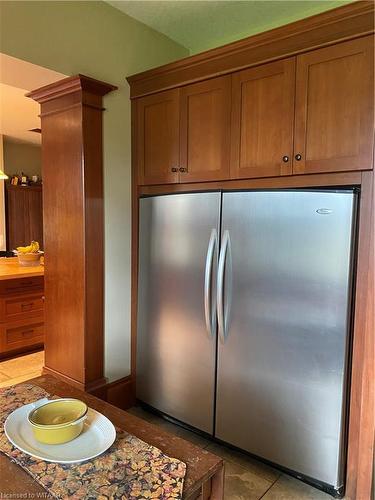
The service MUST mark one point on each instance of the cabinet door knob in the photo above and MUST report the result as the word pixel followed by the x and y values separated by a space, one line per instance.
pixel 298 157
pixel 174 169
pixel 182 169
pixel 285 159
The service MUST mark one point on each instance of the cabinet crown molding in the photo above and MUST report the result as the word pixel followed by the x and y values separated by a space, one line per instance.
pixel 342 23
pixel 70 85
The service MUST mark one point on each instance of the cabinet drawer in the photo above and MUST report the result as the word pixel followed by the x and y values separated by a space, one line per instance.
pixel 22 307
pixel 16 336
pixel 21 285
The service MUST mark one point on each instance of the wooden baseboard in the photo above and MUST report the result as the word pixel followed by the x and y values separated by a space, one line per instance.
pixel 92 387
pixel 64 378
pixel 119 393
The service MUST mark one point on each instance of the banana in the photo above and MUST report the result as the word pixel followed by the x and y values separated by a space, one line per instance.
pixel 35 247
pixel 24 249
pixel 32 248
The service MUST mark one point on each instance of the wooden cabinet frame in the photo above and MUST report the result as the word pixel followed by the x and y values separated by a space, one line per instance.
pixel 349 22
pixel 361 416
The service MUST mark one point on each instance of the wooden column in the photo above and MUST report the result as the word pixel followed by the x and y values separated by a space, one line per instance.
pixel 71 117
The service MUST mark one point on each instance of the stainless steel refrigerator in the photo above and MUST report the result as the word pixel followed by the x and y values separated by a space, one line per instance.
pixel 244 318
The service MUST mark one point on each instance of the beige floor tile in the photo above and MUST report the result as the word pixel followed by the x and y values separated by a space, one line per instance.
pixel 17 367
pixel 242 484
pixel 250 464
pixel 288 488
pixel 21 378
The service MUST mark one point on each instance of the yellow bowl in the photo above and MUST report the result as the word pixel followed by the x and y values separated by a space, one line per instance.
pixel 58 421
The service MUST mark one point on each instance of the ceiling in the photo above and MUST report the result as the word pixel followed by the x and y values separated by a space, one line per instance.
pixel 19 114
pixel 201 25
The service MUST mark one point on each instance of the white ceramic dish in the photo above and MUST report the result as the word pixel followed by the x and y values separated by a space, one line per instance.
pixel 97 436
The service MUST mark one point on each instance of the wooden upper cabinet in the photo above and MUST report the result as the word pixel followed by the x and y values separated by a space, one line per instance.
pixel 205 130
pixel 24 215
pixel 158 138
pixel 262 120
pixel 305 114
pixel 334 108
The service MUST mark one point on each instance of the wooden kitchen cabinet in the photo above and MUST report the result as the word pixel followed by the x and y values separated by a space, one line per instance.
pixel 183 135
pixel 205 109
pixel 334 117
pixel 262 120
pixel 21 310
pixel 306 114
pixel 157 139
pixel 24 215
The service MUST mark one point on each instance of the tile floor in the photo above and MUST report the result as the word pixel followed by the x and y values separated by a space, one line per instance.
pixel 16 370
pixel 245 478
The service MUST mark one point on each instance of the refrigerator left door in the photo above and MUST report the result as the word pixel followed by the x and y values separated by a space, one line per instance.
pixel 176 337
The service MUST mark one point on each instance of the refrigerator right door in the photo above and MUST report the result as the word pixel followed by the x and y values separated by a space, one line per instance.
pixel 284 300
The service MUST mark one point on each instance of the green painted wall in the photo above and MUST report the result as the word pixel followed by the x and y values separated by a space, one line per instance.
pixel 22 157
pixel 97 40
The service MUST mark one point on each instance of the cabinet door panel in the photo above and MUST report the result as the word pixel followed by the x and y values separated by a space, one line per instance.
pixel 34 216
pixel 24 215
pixel 16 222
pixel 205 130
pixel 334 108
pixel 262 120
pixel 158 138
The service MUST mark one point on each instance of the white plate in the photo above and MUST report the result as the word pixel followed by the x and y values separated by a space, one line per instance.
pixel 97 436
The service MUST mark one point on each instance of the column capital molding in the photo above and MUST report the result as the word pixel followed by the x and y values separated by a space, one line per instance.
pixel 72 84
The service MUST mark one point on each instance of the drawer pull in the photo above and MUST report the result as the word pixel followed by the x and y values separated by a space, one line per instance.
pixel 27 307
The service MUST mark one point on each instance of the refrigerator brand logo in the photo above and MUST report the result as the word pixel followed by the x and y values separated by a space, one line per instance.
pixel 324 211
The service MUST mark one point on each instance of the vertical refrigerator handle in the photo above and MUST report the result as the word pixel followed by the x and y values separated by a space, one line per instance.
pixel 210 315
pixel 223 309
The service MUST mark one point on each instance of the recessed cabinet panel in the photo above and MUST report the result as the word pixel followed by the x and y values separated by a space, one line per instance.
pixel 205 130
pixel 24 215
pixel 334 108
pixel 158 138
pixel 262 120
